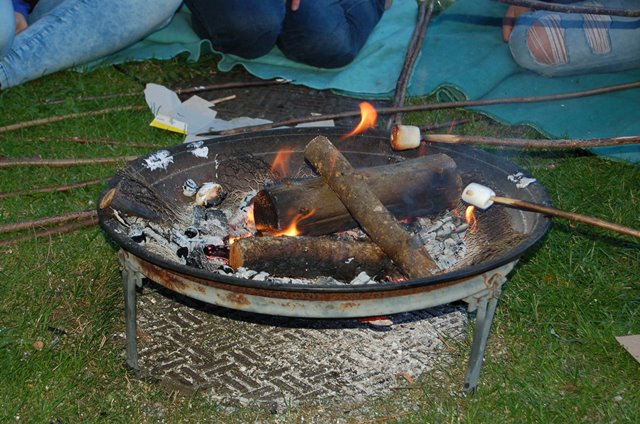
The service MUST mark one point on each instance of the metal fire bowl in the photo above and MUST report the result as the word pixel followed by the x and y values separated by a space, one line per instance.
pixel 321 301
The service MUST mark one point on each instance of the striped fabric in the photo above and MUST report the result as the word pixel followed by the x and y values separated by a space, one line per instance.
pixel 546 41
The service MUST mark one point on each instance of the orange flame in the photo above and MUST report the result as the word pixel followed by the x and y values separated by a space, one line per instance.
pixel 280 165
pixel 292 229
pixel 470 216
pixel 368 117
pixel 251 220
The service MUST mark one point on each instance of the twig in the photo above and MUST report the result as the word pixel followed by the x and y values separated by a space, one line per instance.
pixel 431 106
pixel 59 163
pixel 53 231
pixel 222 99
pixel 82 140
pixel 49 220
pixel 59 118
pixel 530 143
pixel 225 86
pixel 87 98
pixel 413 51
pixel 384 419
pixel 594 10
pixel 54 189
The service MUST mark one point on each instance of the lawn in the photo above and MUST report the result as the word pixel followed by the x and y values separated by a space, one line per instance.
pixel 552 355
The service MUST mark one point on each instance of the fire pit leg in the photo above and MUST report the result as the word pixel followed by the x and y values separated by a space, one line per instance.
pixel 131 278
pixel 485 303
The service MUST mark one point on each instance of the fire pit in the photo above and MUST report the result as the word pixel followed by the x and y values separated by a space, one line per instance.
pixel 240 164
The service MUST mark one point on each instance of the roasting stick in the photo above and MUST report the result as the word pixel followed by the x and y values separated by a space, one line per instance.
pixel 404 137
pixel 483 197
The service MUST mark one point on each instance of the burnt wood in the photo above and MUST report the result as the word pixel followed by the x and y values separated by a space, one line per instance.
pixel 424 186
pixel 309 257
pixel 412 258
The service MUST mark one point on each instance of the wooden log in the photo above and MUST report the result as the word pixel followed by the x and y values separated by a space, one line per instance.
pixel 411 258
pixel 425 186
pixel 309 257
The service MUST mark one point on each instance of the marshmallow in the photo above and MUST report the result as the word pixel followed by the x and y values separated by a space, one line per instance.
pixel 405 137
pixel 478 195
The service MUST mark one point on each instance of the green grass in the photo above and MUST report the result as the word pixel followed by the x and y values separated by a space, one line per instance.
pixel 552 355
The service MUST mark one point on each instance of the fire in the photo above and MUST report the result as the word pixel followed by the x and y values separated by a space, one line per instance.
pixel 251 220
pixel 280 165
pixel 470 216
pixel 292 229
pixel 368 119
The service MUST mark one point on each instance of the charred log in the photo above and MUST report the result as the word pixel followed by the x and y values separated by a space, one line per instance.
pixel 425 186
pixel 309 257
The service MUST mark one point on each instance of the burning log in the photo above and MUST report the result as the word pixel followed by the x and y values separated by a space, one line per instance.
pixel 430 185
pixel 352 189
pixel 309 257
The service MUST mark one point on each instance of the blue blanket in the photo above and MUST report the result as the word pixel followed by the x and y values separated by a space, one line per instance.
pixel 463 57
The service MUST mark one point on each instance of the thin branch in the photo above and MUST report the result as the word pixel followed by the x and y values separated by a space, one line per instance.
pixel 413 51
pixel 211 87
pixel 59 163
pixel 531 143
pixel 88 98
pixel 49 220
pixel 593 10
pixel 53 231
pixel 53 189
pixel 83 140
pixel 44 121
pixel 431 106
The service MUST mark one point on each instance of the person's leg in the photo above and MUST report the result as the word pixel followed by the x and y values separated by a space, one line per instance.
pixel 557 44
pixel 329 33
pixel 78 31
pixel 245 28
pixel 7 26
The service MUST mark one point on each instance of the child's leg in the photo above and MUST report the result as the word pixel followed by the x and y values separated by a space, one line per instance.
pixel 556 44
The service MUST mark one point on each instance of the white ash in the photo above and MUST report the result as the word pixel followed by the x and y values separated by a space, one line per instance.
pixel 158 160
pixel 520 180
pixel 198 150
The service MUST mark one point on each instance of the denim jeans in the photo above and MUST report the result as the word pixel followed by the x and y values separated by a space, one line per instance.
pixel 65 33
pixel 321 33
pixel 577 43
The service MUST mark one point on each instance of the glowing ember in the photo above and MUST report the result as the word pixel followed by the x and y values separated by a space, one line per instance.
pixel 292 229
pixel 470 216
pixel 251 221
pixel 368 119
pixel 280 165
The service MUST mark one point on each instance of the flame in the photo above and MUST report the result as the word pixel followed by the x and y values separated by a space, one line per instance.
pixel 470 216
pixel 292 229
pixel 251 220
pixel 280 165
pixel 368 119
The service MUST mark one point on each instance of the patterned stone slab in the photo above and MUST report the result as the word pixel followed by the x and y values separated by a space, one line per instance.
pixel 242 358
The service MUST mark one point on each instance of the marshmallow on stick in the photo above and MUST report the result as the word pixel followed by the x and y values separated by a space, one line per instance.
pixel 483 197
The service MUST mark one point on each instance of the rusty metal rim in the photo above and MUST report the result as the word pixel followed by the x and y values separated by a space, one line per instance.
pixel 533 238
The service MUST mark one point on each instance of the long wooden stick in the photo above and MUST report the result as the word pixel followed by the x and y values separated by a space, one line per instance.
pixel 60 163
pixel 413 51
pixel 593 10
pixel 431 106
pixel 44 121
pixel 210 87
pixel 530 143
pixel 53 231
pixel 533 207
pixel 49 220
pixel 53 189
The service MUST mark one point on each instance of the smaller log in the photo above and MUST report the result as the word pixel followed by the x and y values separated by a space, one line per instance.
pixel 309 257
pixel 413 260
pixel 424 186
